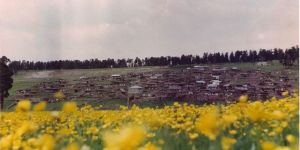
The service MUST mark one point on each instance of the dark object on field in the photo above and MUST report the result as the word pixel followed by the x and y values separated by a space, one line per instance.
pixel 5 79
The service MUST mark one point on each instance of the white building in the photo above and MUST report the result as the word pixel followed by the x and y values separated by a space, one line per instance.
pixel 116 76
pixel 212 86
pixel 135 89
pixel 263 63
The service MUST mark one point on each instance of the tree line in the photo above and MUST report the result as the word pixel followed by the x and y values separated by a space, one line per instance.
pixel 287 57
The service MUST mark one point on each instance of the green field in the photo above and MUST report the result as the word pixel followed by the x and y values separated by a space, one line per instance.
pixel 26 79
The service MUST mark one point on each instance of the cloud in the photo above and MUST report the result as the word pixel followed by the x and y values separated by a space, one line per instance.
pixel 78 29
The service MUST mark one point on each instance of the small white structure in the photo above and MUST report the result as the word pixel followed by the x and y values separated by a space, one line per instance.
pixel 227 86
pixel 263 63
pixel 216 77
pixel 220 69
pixel 200 68
pixel 174 87
pixel 234 68
pixel 212 86
pixel 241 88
pixel 155 76
pixel 135 89
pixel 158 75
pixel 225 68
pixel 217 82
pixel 200 82
pixel 83 77
pixel 116 76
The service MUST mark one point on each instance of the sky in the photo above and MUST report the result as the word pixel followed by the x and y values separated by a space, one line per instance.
pixel 42 30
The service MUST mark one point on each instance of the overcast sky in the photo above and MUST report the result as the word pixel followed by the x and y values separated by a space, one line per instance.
pixel 84 29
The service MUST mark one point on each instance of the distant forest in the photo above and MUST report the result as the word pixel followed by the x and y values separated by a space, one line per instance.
pixel 286 57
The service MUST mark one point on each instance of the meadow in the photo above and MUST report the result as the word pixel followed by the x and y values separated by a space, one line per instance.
pixel 251 125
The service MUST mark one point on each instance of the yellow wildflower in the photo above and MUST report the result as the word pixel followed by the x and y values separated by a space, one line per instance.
pixel 27 127
pixel 176 104
pixel 149 146
pixel 54 114
pixel 128 138
pixel 151 135
pixel 17 143
pixel 227 143
pixel 291 139
pixel 85 147
pixel 278 115
pixel 256 111
pixel 33 142
pixel 228 120
pixel 47 142
pixel 94 138
pixel 272 133
pixel 286 93
pixel 193 136
pixel 49 130
pixel 72 146
pixel 40 106
pixel 282 148
pixel 70 107
pixel 232 132
pixel 6 142
pixel 64 132
pixel 92 130
pixel 278 129
pixel 243 99
pixel 266 145
pixel 59 95
pixel 284 124
pixel 23 106
pixel 209 125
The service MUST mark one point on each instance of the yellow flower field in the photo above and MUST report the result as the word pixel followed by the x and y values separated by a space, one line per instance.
pixel 266 125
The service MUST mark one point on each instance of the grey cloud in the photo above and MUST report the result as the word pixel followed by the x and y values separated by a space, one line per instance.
pixel 78 29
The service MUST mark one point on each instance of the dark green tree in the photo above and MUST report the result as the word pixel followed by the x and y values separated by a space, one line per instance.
pixel 137 62
pixel 5 80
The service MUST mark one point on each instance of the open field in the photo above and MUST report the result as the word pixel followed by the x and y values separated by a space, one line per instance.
pixel 27 79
